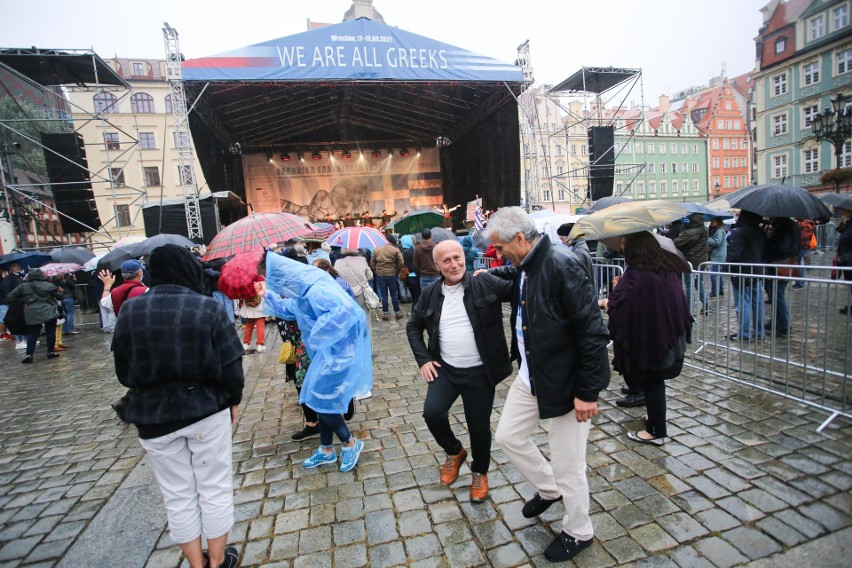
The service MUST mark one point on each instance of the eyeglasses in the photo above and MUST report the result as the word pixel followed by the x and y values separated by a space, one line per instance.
pixel 448 260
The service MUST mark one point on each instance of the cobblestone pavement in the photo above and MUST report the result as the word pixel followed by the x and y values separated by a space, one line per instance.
pixel 744 477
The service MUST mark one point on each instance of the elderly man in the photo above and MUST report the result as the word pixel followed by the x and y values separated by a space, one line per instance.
pixel 560 342
pixel 466 355
pixel 131 272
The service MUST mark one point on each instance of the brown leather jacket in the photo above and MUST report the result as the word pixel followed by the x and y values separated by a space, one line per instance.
pixel 387 261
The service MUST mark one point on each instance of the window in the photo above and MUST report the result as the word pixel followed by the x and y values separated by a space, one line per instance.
pixel 117 176
pixel 727 163
pixel 695 148
pixel 147 141
pixel 559 170
pixel 650 147
pixel 809 113
pixel 169 104
pixel 105 103
pixel 715 163
pixel 652 167
pixel 674 167
pixel 152 176
pixel 584 150
pixel 780 45
pixel 810 161
pixel 743 163
pixel 715 180
pixel 715 143
pixel 674 188
pixel 544 171
pixel 543 149
pixel 779 124
pixel 727 182
pixel 618 188
pixel 844 61
pixel 695 167
pixel 695 186
pixel 561 194
pixel 640 187
pixel 546 195
pixel 742 181
pixel 111 141
pixel 652 187
pixel 727 105
pixel 684 167
pixel 574 149
pixel 662 148
pixel 683 149
pixel 122 215
pixel 728 125
pixel 840 17
pixel 673 148
pixel 736 125
pixel 720 124
pixel 817 27
pixel 639 148
pixel 779 167
pixel 558 150
pixel 138 69
pixel 845 159
pixel 142 103
pixel 726 144
pixel 662 167
pixel 810 72
pixel 663 188
pixel 734 144
pixel 779 85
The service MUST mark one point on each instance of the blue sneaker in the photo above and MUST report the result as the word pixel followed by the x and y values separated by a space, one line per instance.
pixel 349 455
pixel 319 458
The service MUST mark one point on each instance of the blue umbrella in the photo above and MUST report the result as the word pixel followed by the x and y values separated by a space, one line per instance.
pixel 27 260
pixel 706 211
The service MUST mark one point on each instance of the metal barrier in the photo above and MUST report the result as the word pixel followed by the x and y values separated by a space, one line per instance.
pixel 86 307
pixel 826 236
pixel 482 262
pixel 741 333
pixel 606 270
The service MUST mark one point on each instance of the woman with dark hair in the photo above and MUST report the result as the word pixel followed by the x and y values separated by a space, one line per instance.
pixel 650 325
pixel 182 358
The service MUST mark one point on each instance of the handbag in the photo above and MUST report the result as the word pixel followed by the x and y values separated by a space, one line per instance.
pixel 371 298
pixel 403 274
pixel 786 271
pixel 287 354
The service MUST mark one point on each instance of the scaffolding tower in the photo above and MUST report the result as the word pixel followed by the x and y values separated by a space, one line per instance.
pixel 528 125
pixel 186 170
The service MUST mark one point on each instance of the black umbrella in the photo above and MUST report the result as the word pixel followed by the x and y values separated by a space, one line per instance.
pixel 704 210
pixel 113 259
pixel 148 245
pixel 774 200
pixel 605 202
pixel 441 234
pixel 839 200
pixel 71 255
pixel 27 260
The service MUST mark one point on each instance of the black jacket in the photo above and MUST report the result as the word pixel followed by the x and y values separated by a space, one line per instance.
pixel 564 334
pixel 483 298
pixel 692 242
pixel 746 246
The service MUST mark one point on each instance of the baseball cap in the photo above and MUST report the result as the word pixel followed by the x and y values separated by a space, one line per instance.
pixel 131 266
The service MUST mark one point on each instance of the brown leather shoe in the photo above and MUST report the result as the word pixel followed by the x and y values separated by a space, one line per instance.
pixel 451 467
pixel 59 348
pixel 479 488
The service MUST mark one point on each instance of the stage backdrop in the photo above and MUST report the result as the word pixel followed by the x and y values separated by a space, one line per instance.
pixel 316 188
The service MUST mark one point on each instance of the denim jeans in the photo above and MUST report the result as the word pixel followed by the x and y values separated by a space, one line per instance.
pixel 389 284
pixel 801 263
pixel 50 336
pixel 716 285
pixel 426 280
pixel 696 280
pixel 748 300
pixel 68 304
pixel 331 424
pixel 779 302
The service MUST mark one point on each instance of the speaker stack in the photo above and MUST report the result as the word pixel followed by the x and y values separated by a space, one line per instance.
pixel 69 178
pixel 602 161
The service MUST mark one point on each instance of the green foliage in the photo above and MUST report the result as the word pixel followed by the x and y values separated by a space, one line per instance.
pixel 31 122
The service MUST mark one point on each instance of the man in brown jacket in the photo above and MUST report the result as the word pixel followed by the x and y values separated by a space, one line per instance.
pixel 424 264
pixel 386 264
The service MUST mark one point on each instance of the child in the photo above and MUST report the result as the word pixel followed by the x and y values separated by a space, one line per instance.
pixel 252 310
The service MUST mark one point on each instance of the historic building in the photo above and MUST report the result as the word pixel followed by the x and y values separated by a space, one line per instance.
pixel 804 51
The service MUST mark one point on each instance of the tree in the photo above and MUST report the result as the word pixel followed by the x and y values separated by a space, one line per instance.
pixel 23 117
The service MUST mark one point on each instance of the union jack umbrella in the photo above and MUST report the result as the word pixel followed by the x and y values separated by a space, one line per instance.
pixel 255 232
pixel 357 237
pixel 57 268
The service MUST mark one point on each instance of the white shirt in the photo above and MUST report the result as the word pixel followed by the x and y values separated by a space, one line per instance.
pixel 523 370
pixel 456 338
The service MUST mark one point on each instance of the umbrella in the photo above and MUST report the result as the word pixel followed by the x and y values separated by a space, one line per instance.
pixel 774 200
pixel 665 243
pixel 56 268
pixel 605 202
pixel 92 263
pixel 239 275
pixel 626 218
pixel 129 239
pixel 441 234
pixel 148 245
pixel 416 221
pixel 27 260
pixel 321 231
pixel 112 260
pixel 357 237
pixel 550 223
pixel 839 200
pixel 704 210
pixel 77 255
pixel 255 232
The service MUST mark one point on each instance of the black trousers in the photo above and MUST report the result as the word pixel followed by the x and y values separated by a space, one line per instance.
pixel 655 403
pixel 478 400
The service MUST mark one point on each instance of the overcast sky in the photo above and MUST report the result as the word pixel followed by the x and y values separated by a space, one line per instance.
pixel 677 43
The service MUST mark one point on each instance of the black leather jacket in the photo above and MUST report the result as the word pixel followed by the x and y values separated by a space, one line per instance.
pixel 483 298
pixel 564 334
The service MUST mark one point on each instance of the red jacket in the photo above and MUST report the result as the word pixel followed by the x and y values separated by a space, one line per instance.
pixel 126 291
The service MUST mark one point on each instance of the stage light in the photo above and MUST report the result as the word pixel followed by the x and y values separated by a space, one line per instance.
pixel 301 156
pixel 269 156
pixel 377 153
pixel 346 154
pixel 316 156
pixel 403 152
pixel 285 156
pixel 418 152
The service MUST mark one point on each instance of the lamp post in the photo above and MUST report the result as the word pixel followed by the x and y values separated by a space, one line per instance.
pixel 835 125
pixel 718 189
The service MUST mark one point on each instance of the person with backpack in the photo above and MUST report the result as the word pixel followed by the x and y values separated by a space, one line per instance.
pixel 809 244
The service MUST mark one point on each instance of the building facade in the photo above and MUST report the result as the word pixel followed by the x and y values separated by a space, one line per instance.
pixel 805 58
pixel 131 146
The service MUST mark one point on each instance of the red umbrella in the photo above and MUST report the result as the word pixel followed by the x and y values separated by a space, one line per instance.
pixel 321 231
pixel 357 237
pixel 255 232
pixel 239 275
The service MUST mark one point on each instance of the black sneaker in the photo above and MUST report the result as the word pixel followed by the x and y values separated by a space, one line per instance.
pixel 565 547
pixel 305 432
pixel 27 360
pixel 631 400
pixel 232 558
pixel 537 505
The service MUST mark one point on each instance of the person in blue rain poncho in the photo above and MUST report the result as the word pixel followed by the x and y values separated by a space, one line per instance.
pixel 336 337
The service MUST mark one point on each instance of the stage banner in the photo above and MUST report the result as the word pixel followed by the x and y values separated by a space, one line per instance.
pixel 357 50
pixel 335 187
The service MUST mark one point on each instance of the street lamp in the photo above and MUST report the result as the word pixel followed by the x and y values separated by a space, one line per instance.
pixel 835 125
pixel 718 189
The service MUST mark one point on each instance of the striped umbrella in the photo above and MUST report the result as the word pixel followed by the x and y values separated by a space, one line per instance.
pixel 255 232
pixel 56 268
pixel 357 237
pixel 321 232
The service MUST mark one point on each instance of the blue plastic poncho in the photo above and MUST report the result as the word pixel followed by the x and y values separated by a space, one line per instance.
pixel 334 331
pixel 406 241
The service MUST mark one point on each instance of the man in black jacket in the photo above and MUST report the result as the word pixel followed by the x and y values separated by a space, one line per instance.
pixel 560 342
pixel 467 355
pixel 746 247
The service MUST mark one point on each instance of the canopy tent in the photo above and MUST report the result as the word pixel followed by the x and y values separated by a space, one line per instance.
pixel 355 85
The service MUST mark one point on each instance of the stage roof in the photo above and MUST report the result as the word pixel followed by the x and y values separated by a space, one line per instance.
pixel 594 80
pixel 60 67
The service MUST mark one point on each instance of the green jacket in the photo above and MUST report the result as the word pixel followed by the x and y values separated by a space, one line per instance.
pixel 40 297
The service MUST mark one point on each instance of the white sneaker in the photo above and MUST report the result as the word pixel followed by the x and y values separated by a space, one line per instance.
pixel 367 394
pixel 261 348
pixel 246 346
pixel 21 345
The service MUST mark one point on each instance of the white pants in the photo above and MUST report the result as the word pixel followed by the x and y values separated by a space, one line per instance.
pixel 193 470
pixel 565 474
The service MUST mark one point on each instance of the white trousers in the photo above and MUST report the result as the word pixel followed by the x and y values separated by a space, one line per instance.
pixel 193 469
pixel 565 474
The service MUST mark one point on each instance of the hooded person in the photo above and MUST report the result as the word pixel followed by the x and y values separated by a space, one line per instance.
pixel 41 299
pixel 176 350
pixel 336 337
pixel 692 242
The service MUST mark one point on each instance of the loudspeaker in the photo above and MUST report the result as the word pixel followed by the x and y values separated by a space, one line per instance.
pixel 601 161
pixel 69 178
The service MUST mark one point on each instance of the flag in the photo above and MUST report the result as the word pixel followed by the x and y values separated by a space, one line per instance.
pixel 478 220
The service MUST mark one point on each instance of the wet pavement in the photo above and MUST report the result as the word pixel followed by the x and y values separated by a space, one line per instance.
pixel 744 478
